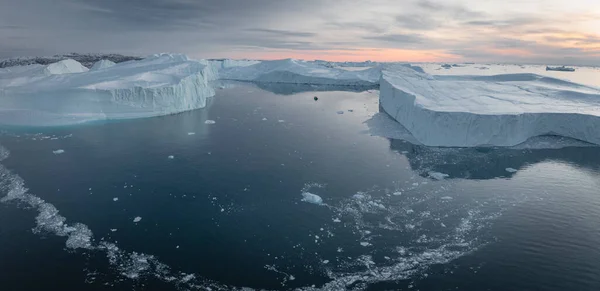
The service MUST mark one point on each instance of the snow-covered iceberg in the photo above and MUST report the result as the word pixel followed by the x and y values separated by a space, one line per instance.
pixel 67 93
pixel 501 110
pixel 102 64
pixel 301 72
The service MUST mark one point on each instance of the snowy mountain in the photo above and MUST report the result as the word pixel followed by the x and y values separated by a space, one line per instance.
pixel 87 60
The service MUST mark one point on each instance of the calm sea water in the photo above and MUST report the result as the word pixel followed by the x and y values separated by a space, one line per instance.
pixel 235 206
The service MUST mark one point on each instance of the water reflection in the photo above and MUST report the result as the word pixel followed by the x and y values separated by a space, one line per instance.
pixel 490 163
pixel 291 89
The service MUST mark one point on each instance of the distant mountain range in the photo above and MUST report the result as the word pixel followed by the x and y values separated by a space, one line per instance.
pixel 87 60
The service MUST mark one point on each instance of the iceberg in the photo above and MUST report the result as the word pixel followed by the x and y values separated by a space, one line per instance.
pixel 68 66
pixel 102 64
pixel 301 72
pixel 500 110
pixel 66 92
pixel 560 69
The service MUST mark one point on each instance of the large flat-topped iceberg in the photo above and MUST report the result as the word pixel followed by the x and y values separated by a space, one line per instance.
pixel 301 72
pixel 501 110
pixel 63 93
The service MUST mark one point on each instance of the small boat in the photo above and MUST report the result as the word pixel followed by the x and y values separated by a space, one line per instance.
pixel 562 69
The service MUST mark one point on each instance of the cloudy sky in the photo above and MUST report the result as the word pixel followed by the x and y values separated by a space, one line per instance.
pixel 532 31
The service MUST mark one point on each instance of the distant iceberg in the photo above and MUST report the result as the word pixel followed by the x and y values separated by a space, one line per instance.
pixel 561 69
pixel 68 93
pixel 102 64
pixel 501 110
pixel 301 72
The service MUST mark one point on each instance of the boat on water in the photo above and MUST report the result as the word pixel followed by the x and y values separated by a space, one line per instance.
pixel 562 69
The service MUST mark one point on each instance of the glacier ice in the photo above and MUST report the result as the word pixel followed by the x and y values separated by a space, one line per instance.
pixel 301 72
pixel 312 198
pixel 67 93
pixel 102 64
pixel 438 176
pixel 499 110
pixel 68 66
pixel 436 110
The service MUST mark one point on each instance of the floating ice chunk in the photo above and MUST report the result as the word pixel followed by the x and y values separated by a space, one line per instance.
pixel 137 219
pixel 446 198
pixel 340 112
pixel 365 244
pixel 209 122
pixel 397 193
pixel 438 176
pixel 264 119
pixel 116 199
pixel 511 170
pixel 113 229
pixel 171 157
pixel 281 121
pixel 312 198
pixel 58 152
pixel 337 220
pixel 191 133
pixel 325 262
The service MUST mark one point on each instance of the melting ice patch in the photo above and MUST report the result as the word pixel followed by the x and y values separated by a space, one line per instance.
pixel 309 197
pixel 209 122
pixel 438 176
pixel 312 198
pixel 131 265
pixel 399 237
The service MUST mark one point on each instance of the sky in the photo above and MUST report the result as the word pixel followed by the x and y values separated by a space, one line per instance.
pixel 511 31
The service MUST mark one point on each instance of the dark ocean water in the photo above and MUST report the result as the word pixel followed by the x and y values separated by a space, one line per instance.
pixel 227 210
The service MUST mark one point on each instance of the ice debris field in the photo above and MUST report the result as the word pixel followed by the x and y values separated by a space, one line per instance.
pixel 437 109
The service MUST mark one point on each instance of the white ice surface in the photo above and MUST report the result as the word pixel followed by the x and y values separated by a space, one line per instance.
pixel 500 110
pixel 301 72
pixel 102 64
pixel 67 66
pixel 63 93
pixel 312 198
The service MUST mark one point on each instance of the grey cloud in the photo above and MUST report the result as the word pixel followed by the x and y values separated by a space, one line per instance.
pixel 12 27
pixel 416 22
pixel 585 40
pixel 454 10
pixel 278 32
pixel 398 38
pixel 512 21
pixel 363 26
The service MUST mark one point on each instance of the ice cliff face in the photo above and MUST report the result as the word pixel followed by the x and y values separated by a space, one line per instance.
pixel 503 110
pixel 158 85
